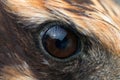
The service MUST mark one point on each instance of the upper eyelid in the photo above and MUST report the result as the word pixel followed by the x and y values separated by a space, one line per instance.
pixel 33 27
pixel 38 28
pixel 30 25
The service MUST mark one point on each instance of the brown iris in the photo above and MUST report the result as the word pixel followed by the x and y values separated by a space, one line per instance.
pixel 60 42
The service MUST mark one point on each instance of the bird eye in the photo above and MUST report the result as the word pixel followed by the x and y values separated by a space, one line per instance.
pixel 59 41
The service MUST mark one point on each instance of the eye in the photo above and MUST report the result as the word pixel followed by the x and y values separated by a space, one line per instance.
pixel 59 40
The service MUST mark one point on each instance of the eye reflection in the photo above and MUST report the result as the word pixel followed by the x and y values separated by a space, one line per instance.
pixel 57 33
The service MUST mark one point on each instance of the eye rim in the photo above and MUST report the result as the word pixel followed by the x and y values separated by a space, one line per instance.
pixel 46 26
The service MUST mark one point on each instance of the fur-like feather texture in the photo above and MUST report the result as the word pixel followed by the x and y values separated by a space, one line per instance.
pixel 85 15
pixel 97 20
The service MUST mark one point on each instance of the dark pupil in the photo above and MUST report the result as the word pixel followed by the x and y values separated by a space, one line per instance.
pixel 60 42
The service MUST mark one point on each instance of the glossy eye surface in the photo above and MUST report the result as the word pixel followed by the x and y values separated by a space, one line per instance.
pixel 59 41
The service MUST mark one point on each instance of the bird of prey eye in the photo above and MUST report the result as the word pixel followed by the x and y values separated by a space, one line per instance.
pixel 59 40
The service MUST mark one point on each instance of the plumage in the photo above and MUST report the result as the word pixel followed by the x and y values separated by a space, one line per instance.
pixel 96 20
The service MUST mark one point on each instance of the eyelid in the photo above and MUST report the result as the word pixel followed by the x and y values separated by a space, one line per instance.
pixel 33 27
pixel 43 29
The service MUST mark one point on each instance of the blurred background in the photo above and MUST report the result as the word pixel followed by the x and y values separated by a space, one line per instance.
pixel 118 1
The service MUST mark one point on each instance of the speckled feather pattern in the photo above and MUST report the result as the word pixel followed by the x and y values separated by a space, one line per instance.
pixel 97 20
